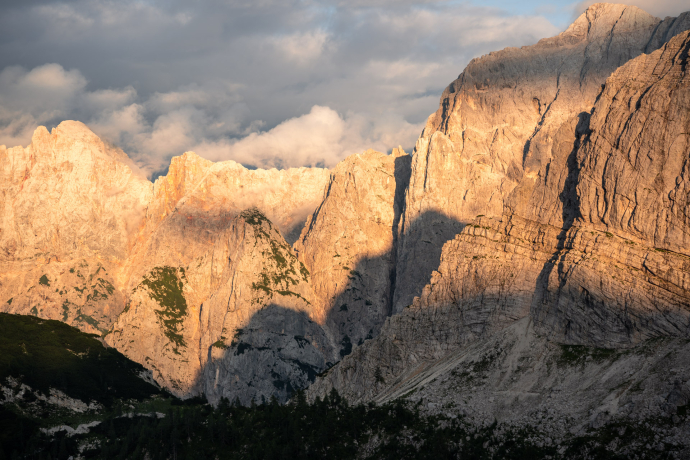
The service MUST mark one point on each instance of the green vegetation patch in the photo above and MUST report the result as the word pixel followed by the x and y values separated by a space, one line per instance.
pixel 486 361
pixel 378 376
pixel 255 217
pixel 165 285
pixel 82 318
pixel 280 269
pixel 105 284
pixel 220 344
pixel 329 428
pixel 345 346
pixel 642 434
pixel 101 290
pixel 44 281
pixel 576 354
pixel 65 310
pixel 304 272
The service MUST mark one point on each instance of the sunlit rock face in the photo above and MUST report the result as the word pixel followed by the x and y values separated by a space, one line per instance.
pixel 590 250
pixel 70 210
pixel 544 204
pixel 198 199
pixel 195 203
pixel 349 244
pixel 623 274
pixel 497 123
pixel 86 239
pixel 237 321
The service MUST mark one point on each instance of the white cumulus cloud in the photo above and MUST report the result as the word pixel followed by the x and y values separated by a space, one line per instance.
pixel 319 138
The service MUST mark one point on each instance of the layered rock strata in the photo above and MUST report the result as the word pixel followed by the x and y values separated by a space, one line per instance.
pixel 496 125
pixel 591 251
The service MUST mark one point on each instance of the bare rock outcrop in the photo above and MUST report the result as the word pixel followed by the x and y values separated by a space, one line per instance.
pixel 349 244
pixel 496 125
pixel 629 403
pixel 239 321
pixel 197 199
pixel 70 210
pixel 262 328
pixel 546 197
pixel 631 176
pixel 591 250
pixel 86 239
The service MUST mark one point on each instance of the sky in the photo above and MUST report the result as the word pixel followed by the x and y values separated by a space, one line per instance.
pixel 267 83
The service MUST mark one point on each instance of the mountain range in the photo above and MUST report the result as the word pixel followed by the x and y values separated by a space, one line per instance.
pixel 528 263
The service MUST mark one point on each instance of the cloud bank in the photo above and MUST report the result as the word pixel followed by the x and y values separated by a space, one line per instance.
pixel 266 83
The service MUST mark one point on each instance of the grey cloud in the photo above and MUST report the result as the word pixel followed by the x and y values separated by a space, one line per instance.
pixel 264 82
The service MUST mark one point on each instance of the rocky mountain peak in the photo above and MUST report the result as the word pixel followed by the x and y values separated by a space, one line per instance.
pixel 186 170
pixel 589 255
pixel 545 199
pixel 603 19
pixel 73 141
pixel 81 229
pixel 83 183
pixel 41 135
pixel 184 173
pixel 497 125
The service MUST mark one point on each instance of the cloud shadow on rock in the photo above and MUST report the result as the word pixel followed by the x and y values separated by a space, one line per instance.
pixel 282 350
pixel 278 352
pixel 362 308
pixel 420 250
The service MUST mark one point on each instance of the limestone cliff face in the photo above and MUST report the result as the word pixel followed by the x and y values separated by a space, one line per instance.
pixel 349 244
pixel 261 329
pixel 195 207
pixel 198 199
pixel 590 251
pixel 238 321
pixel 60 191
pixel 87 240
pixel 631 171
pixel 70 210
pixel 496 126
pixel 546 197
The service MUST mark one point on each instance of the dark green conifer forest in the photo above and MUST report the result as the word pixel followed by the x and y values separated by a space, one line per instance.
pixel 327 429
pixel 130 418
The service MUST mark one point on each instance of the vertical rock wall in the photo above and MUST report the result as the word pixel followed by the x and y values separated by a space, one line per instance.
pixel 591 247
pixel 496 125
